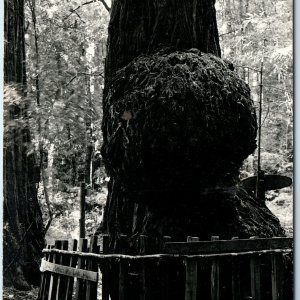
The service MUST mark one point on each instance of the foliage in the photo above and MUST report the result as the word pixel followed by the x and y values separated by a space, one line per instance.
pixel 68 63
pixel 65 207
pixel 252 31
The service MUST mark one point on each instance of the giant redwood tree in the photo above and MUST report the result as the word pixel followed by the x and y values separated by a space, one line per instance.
pixel 177 125
pixel 23 237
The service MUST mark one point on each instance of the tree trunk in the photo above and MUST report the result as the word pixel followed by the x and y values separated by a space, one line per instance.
pixel 142 165
pixel 177 124
pixel 89 133
pixel 23 238
pixel 140 27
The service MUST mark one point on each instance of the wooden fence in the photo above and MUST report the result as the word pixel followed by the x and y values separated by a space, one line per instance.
pixel 83 270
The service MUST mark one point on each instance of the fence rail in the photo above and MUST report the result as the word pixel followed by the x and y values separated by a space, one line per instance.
pixel 84 270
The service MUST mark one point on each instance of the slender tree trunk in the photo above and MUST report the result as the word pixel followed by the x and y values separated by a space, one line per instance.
pixel 89 133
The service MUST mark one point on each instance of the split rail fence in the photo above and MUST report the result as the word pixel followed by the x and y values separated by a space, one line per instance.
pixel 83 269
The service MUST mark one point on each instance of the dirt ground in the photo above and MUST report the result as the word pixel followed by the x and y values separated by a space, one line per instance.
pixel 11 293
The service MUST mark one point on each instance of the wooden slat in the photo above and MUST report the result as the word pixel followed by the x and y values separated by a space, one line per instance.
pixel 69 271
pixel 48 276
pixel 275 276
pixel 61 281
pixel 235 278
pixel 72 264
pixel 142 251
pixel 80 285
pixel 44 276
pixel 225 246
pixel 164 272
pixel 122 266
pixel 122 272
pixel 105 279
pixel 255 277
pixel 191 275
pixel 54 277
pixel 91 287
pixel 215 276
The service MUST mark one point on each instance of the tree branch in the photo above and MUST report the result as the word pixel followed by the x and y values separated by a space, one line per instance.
pixel 86 3
pixel 105 5
pixel 91 74
pixel 71 80
pixel 79 16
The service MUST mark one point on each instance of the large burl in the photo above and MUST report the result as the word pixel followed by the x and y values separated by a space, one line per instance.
pixel 177 127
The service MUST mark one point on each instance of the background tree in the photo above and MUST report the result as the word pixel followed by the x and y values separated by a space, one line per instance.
pixel 23 238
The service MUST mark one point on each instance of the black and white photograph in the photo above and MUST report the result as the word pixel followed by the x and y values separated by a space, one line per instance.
pixel 148 150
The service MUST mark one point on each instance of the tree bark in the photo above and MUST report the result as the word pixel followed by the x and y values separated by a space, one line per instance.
pixel 23 237
pixel 14 49
pixel 177 124
pixel 140 27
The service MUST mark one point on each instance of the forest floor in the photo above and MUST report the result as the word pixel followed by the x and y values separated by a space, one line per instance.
pixel 12 293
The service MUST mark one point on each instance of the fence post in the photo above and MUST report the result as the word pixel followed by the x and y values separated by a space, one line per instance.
pixel 215 276
pixel 82 210
pixel 61 281
pixel 191 275
pixel 45 278
pixel 122 267
pixel 105 281
pixel 164 272
pixel 53 279
pixel 255 275
pixel 275 276
pixel 235 281
pixel 80 286
pixel 142 250
pixel 91 287
pixel 72 261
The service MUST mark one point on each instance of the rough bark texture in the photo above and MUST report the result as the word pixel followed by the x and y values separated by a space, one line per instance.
pixel 178 125
pixel 175 124
pixel 23 237
pixel 140 27
pixel 178 122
